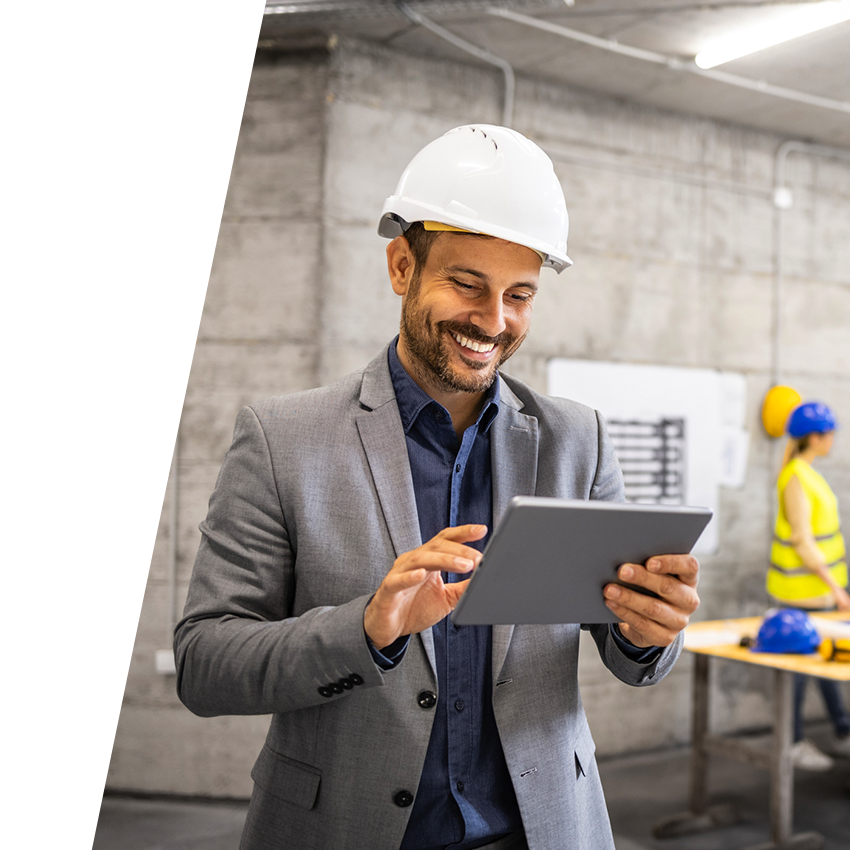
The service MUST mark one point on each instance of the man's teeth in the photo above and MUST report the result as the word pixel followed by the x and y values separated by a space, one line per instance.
pixel 480 347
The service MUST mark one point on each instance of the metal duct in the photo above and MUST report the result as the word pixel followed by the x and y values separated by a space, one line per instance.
pixel 315 10
pixel 474 50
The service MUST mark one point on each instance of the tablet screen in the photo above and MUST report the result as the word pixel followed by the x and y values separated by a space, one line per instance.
pixel 550 558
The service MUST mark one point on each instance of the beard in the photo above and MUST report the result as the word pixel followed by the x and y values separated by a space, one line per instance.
pixel 430 348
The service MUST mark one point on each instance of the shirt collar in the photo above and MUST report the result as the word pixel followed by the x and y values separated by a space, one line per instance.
pixel 412 399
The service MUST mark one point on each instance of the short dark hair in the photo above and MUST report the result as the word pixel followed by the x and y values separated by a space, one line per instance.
pixel 420 241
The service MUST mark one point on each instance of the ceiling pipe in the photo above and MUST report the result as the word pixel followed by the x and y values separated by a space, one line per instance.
pixel 782 201
pixel 673 63
pixel 478 52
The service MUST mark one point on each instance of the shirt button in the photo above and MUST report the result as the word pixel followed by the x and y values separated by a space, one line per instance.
pixel 457 468
pixel 403 799
pixel 427 699
pixel 459 705
pixel 438 415
pixel 460 787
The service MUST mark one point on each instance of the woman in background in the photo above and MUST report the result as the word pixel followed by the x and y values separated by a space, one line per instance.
pixel 808 569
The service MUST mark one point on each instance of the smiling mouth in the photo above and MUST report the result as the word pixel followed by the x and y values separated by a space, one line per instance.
pixel 472 345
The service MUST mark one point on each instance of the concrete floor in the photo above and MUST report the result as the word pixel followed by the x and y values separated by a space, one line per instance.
pixel 641 790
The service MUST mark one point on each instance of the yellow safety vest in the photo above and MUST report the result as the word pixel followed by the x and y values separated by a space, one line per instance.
pixel 787 578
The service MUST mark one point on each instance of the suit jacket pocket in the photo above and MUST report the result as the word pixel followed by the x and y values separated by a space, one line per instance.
pixel 287 779
pixel 585 748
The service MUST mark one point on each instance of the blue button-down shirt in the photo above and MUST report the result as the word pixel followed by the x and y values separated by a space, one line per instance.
pixel 465 796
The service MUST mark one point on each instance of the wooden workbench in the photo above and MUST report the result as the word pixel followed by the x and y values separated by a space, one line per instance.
pixel 721 639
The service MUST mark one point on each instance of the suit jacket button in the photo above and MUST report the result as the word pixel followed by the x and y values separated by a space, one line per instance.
pixel 325 692
pixel 403 799
pixel 426 699
pixel 355 679
pixel 346 684
pixel 335 688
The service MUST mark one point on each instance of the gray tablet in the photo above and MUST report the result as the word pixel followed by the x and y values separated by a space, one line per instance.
pixel 550 558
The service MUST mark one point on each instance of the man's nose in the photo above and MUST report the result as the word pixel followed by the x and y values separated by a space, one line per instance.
pixel 489 316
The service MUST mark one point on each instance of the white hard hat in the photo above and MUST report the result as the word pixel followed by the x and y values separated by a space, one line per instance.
pixel 484 179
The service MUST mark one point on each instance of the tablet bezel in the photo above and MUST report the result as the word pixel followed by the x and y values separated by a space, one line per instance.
pixel 549 558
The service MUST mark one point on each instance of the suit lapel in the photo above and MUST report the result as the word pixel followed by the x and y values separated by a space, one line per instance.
pixel 382 436
pixel 513 456
pixel 383 441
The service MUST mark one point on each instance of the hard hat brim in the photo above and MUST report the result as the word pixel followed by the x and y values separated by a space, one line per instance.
pixel 393 224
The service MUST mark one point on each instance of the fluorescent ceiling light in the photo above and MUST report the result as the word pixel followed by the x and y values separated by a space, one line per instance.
pixel 797 22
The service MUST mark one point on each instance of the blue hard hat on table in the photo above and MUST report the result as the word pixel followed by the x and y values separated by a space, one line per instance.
pixel 811 417
pixel 787 630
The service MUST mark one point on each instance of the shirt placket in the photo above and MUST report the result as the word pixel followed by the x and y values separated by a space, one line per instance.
pixel 458 655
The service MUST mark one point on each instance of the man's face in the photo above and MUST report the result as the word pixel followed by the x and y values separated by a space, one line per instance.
pixel 467 311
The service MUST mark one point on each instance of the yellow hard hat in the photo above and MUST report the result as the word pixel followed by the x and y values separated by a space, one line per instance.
pixel 778 404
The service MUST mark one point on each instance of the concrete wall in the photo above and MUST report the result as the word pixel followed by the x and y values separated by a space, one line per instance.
pixel 258 336
pixel 672 237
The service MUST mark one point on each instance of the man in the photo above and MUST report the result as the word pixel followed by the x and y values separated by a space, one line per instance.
pixel 315 599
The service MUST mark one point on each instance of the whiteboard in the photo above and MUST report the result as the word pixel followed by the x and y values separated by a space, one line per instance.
pixel 708 403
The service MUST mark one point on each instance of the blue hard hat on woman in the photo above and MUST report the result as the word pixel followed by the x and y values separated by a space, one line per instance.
pixel 812 417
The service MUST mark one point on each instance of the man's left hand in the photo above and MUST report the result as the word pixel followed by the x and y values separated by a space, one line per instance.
pixel 645 620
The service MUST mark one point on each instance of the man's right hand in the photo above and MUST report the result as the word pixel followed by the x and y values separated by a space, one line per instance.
pixel 413 596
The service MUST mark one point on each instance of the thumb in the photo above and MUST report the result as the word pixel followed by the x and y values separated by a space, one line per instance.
pixel 454 591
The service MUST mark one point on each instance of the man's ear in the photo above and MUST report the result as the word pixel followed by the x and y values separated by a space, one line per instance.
pixel 400 265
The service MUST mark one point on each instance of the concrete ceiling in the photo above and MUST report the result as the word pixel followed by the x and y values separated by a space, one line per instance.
pixel 811 68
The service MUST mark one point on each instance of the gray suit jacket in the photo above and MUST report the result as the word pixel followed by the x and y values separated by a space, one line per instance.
pixel 313 504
